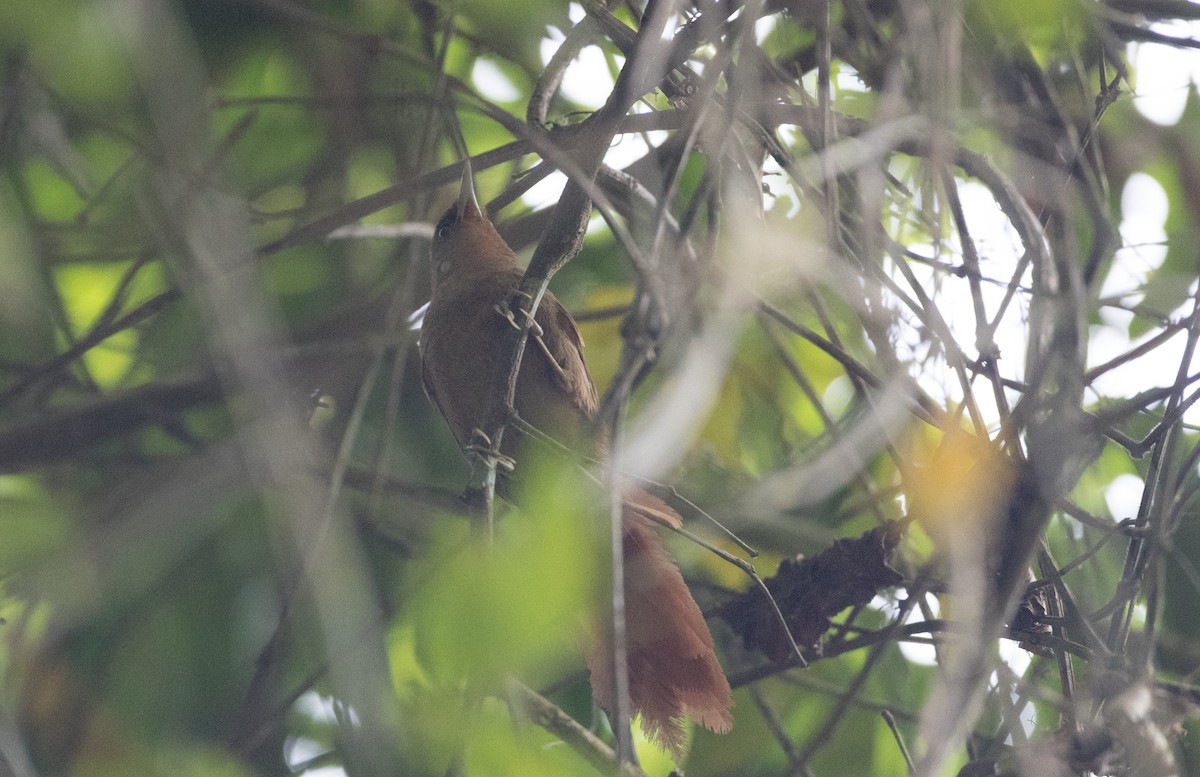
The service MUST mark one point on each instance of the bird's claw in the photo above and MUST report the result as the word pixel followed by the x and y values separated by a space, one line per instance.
pixel 535 328
pixel 507 312
pixel 481 447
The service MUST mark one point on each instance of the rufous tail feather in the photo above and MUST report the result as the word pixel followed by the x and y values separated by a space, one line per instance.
pixel 673 668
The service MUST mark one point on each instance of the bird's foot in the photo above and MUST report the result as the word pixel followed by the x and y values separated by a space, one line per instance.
pixel 509 314
pixel 481 446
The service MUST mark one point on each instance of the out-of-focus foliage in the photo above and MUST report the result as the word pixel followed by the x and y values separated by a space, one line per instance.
pixel 888 267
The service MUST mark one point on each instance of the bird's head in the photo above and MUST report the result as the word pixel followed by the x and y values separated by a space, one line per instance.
pixel 464 236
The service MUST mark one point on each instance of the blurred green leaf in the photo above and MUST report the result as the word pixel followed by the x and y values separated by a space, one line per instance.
pixel 482 611
pixel 32 525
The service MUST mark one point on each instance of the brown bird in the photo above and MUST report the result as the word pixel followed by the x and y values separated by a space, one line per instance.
pixel 673 669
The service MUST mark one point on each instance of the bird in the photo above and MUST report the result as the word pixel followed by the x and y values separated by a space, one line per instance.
pixel 672 665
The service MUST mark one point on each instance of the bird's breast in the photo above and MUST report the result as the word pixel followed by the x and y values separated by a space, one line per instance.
pixel 461 348
pixel 460 341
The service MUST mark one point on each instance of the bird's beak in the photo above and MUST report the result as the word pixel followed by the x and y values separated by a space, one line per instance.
pixel 466 192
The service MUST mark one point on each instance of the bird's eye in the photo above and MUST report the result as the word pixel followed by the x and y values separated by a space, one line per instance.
pixel 443 231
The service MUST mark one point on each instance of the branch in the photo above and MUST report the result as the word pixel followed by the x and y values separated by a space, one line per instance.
pixel 549 716
pixel 48 438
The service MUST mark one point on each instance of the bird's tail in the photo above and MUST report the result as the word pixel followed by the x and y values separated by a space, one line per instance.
pixel 673 669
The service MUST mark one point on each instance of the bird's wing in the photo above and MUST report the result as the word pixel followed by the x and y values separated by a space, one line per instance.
pixel 427 379
pixel 564 346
